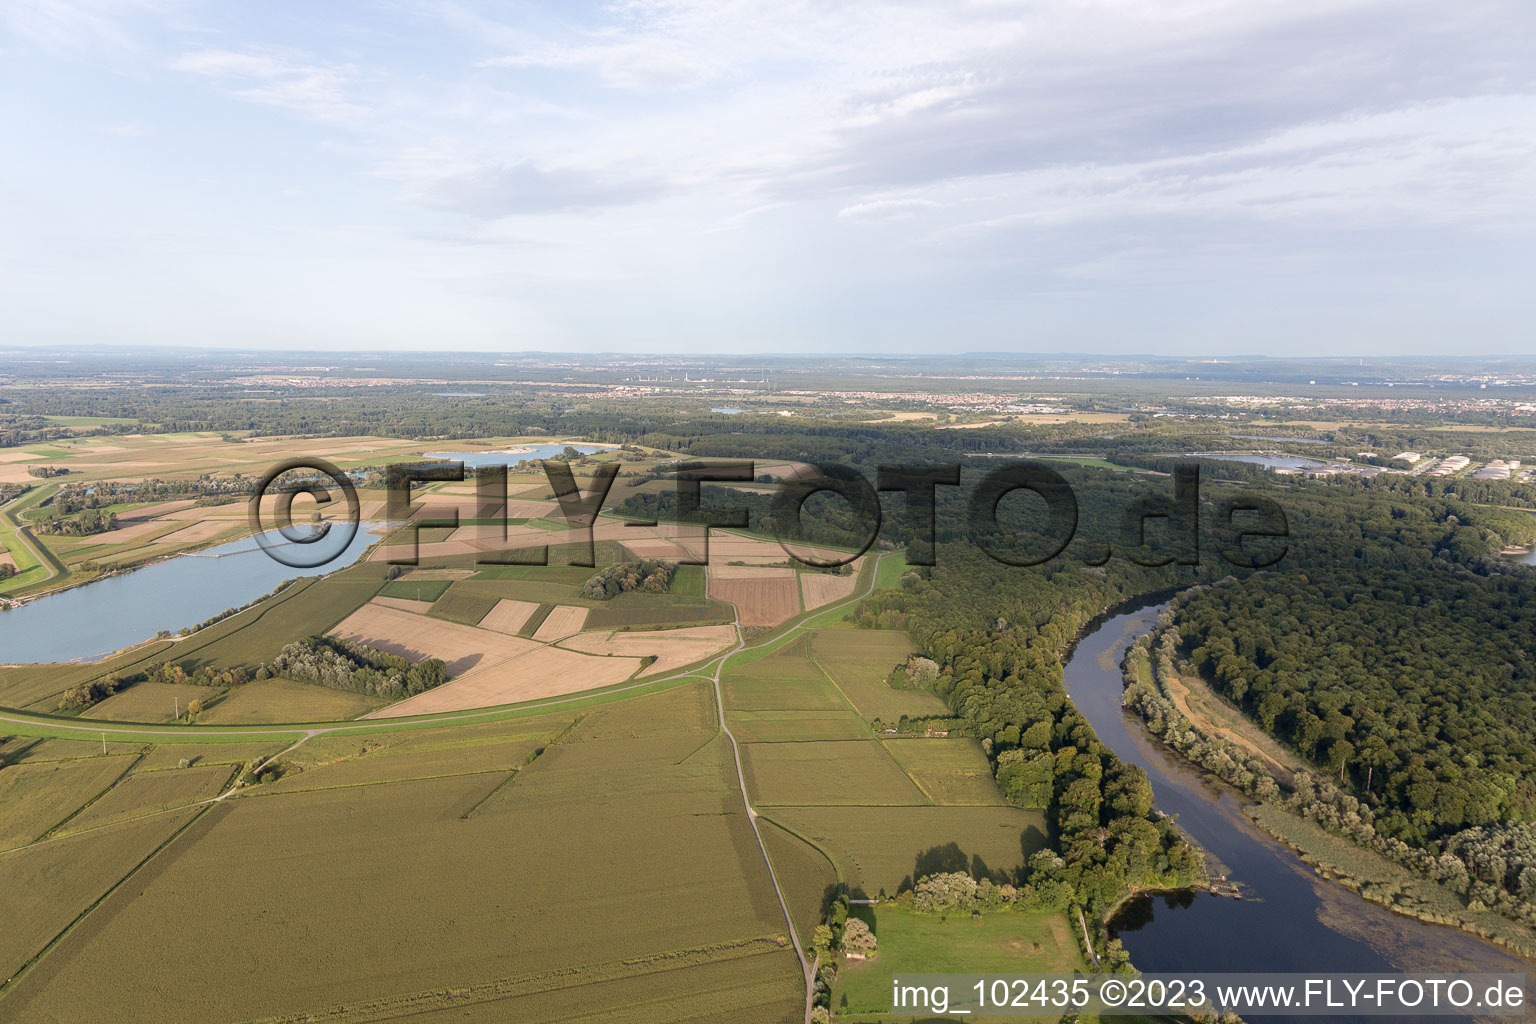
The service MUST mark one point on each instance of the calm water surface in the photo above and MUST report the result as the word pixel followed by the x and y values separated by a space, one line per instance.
pixel 1293 921
pixel 477 460
pixel 87 622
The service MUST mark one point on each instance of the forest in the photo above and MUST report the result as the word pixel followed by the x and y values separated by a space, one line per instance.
pixel 1417 689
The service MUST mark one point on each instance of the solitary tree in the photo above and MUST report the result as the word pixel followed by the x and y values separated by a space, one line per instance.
pixel 858 940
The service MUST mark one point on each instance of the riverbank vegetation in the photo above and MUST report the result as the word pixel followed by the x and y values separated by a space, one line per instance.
pixel 1466 883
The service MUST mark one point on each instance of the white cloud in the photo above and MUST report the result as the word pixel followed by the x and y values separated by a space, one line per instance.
pixel 314 90
pixel 886 209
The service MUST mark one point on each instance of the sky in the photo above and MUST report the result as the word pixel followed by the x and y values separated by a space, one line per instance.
pixel 1183 177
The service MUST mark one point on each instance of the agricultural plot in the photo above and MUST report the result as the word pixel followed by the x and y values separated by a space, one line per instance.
pixel 672 648
pixel 785 680
pixel 508 616
pixel 760 601
pixel 562 620
pixel 883 849
pixel 805 874
pixel 415 637
pixel 638 610
pixel 404 604
pixel 308 607
pixel 567 834
pixel 48 886
pixel 951 771
pixel 820 588
pixel 860 662
pixel 150 702
pixel 414 589
pixel 826 772
pixel 460 606
pixel 1002 943
pixel 287 700
pixel 781 726
pixel 541 672
pixel 723 573
pixel 146 792
pixel 38 796
pixel 170 755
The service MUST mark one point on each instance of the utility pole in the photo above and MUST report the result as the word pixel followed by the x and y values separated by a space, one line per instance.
pixel 103 743
pixel 176 706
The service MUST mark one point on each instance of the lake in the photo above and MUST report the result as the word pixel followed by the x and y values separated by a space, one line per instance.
pixel 1290 920
pixel 479 460
pixel 87 622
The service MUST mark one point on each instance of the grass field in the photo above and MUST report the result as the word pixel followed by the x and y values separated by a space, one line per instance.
pixel 826 772
pixel 887 848
pixel 47 887
pixel 39 796
pixel 688 581
pixel 287 700
pixel 951 771
pixel 779 726
pixel 860 661
pixel 1003 943
pixel 782 680
pixel 807 877
pixel 415 590
pixel 150 702
pixel 459 606
pixel 145 792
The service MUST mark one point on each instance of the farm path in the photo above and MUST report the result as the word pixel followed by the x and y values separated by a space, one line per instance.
pixel 806 966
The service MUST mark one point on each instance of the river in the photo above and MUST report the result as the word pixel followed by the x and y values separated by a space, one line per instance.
pixel 1290 920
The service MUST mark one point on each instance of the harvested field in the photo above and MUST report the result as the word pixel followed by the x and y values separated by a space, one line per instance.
pixel 727 547
pixel 139 530
pixel 438 574
pixel 198 532
pixel 666 550
pixel 562 620
pixel 759 602
pixel 951 771
pixel 884 847
pixel 541 672
pixel 819 588
pixel 749 572
pixel 509 616
pixel 826 772
pixel 415 637
pixel 672 648
pixel 404 604
pixel 161 509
